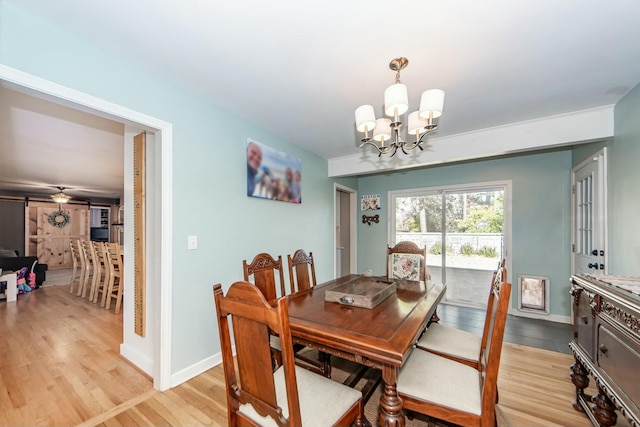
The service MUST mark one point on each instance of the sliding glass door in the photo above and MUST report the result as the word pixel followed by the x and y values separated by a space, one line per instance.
pixel 463 229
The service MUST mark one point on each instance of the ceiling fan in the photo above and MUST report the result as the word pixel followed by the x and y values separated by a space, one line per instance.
pixel 61 196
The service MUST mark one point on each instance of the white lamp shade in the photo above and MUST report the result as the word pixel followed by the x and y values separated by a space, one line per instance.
pixel 432 102
pixel 365 118
pixel 395 96
pixel 382 132
pixel 416 123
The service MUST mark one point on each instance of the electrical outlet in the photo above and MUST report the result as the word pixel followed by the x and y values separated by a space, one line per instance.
pixel 192 242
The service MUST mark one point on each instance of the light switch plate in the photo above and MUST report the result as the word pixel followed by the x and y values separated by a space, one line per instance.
pixel 192 242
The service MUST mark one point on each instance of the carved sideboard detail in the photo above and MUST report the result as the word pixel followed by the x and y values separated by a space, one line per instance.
pixel 606 346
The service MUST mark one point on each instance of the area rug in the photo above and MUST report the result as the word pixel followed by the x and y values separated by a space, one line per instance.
pixel 341 369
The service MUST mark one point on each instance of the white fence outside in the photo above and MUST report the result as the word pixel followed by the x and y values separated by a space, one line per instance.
pixel 454 240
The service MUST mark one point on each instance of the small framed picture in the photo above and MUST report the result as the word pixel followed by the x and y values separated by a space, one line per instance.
pixel 533 294
pixel 370 202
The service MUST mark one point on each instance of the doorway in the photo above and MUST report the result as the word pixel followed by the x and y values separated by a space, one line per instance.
pixel 346 227
pixel 157 363
pixel 465 230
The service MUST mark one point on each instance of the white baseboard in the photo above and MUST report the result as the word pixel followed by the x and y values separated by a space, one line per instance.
pixel 138 359
pixel 196 369
pixel 550 317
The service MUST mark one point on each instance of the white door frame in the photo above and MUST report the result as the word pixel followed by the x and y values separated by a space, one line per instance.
pixel 353 228
pixel 599 211
pixel 161 306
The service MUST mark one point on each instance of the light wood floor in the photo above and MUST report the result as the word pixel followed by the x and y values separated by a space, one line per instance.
pixel 59 366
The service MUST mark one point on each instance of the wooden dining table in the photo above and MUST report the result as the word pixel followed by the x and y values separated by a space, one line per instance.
pixel 381 337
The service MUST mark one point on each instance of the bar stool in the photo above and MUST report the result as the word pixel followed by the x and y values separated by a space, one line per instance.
pixel 77 265
pixel 115 284
pixel 101 275
pixel 87 272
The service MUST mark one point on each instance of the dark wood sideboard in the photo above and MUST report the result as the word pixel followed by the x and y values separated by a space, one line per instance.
pixel 606 346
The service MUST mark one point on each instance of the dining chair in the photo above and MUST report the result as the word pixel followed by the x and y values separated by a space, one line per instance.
pixel 87 277
pixel 456 344
pixel 115 285
pixel 302 276
pixel 76 269
pixel 302 271
pixel 454 392
pixel 407 261
pixel 262 270
pixel 259 396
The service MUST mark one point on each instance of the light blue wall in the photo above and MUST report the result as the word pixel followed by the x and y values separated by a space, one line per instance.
pixel 624 195
pixel 209 175
pixel 541 214
pixel 582 152
pixel 622 190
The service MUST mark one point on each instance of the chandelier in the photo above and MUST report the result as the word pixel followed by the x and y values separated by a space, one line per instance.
pixel 396 104
pixel 61 197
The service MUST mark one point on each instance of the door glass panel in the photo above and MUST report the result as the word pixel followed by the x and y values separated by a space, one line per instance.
pixel 474 242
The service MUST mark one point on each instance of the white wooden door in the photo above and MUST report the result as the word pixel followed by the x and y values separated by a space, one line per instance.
pixel 589 215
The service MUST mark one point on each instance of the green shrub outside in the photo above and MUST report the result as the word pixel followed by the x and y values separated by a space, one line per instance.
pixel 467 249
pixel 488 251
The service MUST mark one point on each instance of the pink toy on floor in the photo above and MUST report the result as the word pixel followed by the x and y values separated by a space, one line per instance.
pixel 22 281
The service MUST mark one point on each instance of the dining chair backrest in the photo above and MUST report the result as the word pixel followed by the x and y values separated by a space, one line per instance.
pixel 251 387
pixel 263 269
pixel 490 357
pixel 252 319
pixel 456 344
pixel 499 276
pixel 302 271
pixel 410 248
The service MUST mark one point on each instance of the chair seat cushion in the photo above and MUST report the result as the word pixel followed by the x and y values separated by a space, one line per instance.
pixel 441 381
pixel 446 340
pixel 322 401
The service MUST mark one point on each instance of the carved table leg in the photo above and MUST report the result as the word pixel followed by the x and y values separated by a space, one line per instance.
pixel 580 379
pixel 604 411
pixel 390 411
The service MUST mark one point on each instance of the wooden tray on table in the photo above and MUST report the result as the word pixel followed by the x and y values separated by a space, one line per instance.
pixel 365 292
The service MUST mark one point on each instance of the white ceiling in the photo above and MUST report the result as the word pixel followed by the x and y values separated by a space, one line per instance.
pixel 44 145
pixel 300 68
